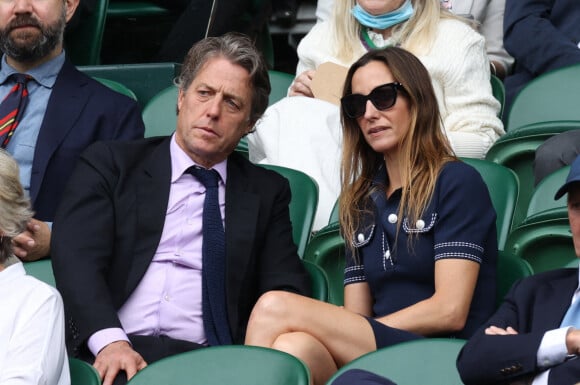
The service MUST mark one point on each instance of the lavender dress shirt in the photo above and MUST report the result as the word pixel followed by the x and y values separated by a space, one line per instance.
pixel 167 301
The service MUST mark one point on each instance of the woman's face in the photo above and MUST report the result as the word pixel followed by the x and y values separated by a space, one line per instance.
pixel 382 130
pixel 379 7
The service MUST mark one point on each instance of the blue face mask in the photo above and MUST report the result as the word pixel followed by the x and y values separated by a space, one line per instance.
pixel 386 20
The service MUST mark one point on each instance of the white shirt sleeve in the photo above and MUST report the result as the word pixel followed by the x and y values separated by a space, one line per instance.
pixel 552 351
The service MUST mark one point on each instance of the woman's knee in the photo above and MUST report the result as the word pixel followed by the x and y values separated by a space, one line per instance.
pixel 274 305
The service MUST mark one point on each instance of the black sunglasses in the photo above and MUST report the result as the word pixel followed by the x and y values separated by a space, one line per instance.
pixel 382 97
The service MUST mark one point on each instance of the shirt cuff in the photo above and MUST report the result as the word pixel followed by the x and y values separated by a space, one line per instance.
pixel 104 337
pixel 542 378
pixel 553 350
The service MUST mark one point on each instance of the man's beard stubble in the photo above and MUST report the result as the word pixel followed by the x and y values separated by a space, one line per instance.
pixel 32 47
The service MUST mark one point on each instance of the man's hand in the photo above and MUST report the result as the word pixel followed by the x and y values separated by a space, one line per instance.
pixel 117 356
pixel 497 331
pixel 34 242
pixel 301 85
pixel 573 341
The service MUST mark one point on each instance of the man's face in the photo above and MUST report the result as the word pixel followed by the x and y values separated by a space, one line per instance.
pixel 574 215
pixel 32 29
pixel 214 112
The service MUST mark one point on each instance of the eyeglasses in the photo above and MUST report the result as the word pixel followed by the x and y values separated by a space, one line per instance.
pixel 382 97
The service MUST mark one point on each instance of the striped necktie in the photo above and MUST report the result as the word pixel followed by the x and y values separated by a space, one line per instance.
pixel 12 108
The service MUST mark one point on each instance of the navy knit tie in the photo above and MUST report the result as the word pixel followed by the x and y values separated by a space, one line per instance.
pixel 215 319
pixel 12 108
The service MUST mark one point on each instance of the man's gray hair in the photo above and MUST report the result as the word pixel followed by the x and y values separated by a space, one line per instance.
pixel 15 209
pixel 238 49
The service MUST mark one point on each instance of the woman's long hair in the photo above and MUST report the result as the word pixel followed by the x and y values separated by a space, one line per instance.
pixel 423 150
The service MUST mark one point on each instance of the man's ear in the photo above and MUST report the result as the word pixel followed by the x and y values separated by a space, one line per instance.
pixel 180 96
pixel 71 6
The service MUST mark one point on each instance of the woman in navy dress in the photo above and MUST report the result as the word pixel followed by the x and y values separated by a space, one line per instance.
pixel 418 224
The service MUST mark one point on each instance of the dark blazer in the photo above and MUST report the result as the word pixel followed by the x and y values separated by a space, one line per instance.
pixel 533 306
pixel 109 224
pixel 541 35
pixel 80 111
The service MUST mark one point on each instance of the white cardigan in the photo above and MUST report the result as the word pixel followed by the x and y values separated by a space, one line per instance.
pixel 305 134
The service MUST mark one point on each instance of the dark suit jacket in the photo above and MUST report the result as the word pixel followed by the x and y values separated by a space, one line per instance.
pixel 541 35
pixel 533 306
pixel 109 224
pixel 80 111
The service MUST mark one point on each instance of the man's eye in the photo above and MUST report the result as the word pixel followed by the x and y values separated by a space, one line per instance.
pixel 233 104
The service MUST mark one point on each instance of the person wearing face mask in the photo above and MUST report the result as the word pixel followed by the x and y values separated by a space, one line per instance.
pixel 304 133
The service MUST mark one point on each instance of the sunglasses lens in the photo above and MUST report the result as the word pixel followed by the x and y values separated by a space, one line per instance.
pixel 383 97
pixel 354 105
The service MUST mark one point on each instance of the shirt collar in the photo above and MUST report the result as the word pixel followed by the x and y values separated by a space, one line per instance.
pixel 12 272
pixel 180 162
pixel 45 74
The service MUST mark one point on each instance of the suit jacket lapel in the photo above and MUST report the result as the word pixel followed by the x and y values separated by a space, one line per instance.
pixel 152 185
pixel 65 104
pixel 242 207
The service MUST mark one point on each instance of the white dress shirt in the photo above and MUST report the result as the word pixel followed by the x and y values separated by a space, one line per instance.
pixel 32 347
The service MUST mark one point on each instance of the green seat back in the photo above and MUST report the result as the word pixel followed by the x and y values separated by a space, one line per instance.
pixel 82 373
pixel 326 249
pixel 549 97
pixel 503 187
pixel 319 281
pixel 41 270
pixel 516 151
pixel 498 91
pixel 280 82
pixel 118 87
pixel 83 44
pixel 542 198
pixel 135 9
pixel 509 270
pixel 146 80
pixel 422 361
pixel 544 240
pixel 221 365
pixel 303 204
pixel 160 113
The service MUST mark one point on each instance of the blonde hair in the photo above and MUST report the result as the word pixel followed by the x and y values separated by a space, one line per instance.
pixel 424 149
pixel 15 209
pixel 415 35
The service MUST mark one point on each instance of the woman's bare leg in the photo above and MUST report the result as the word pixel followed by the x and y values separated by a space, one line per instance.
pixel 311 351
pixel 282 320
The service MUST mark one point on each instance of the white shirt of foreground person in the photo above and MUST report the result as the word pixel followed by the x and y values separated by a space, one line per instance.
pixel 32 347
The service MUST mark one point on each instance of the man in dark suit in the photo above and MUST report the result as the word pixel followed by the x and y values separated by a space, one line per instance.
pixel 541 35
pixel 66 110
pixel 129 239
pixel 532 336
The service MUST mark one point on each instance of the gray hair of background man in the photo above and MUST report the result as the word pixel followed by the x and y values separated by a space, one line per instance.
pixel 238 49
pixel 15 209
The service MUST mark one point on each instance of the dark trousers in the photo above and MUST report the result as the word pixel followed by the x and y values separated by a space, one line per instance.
pixel 153 348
